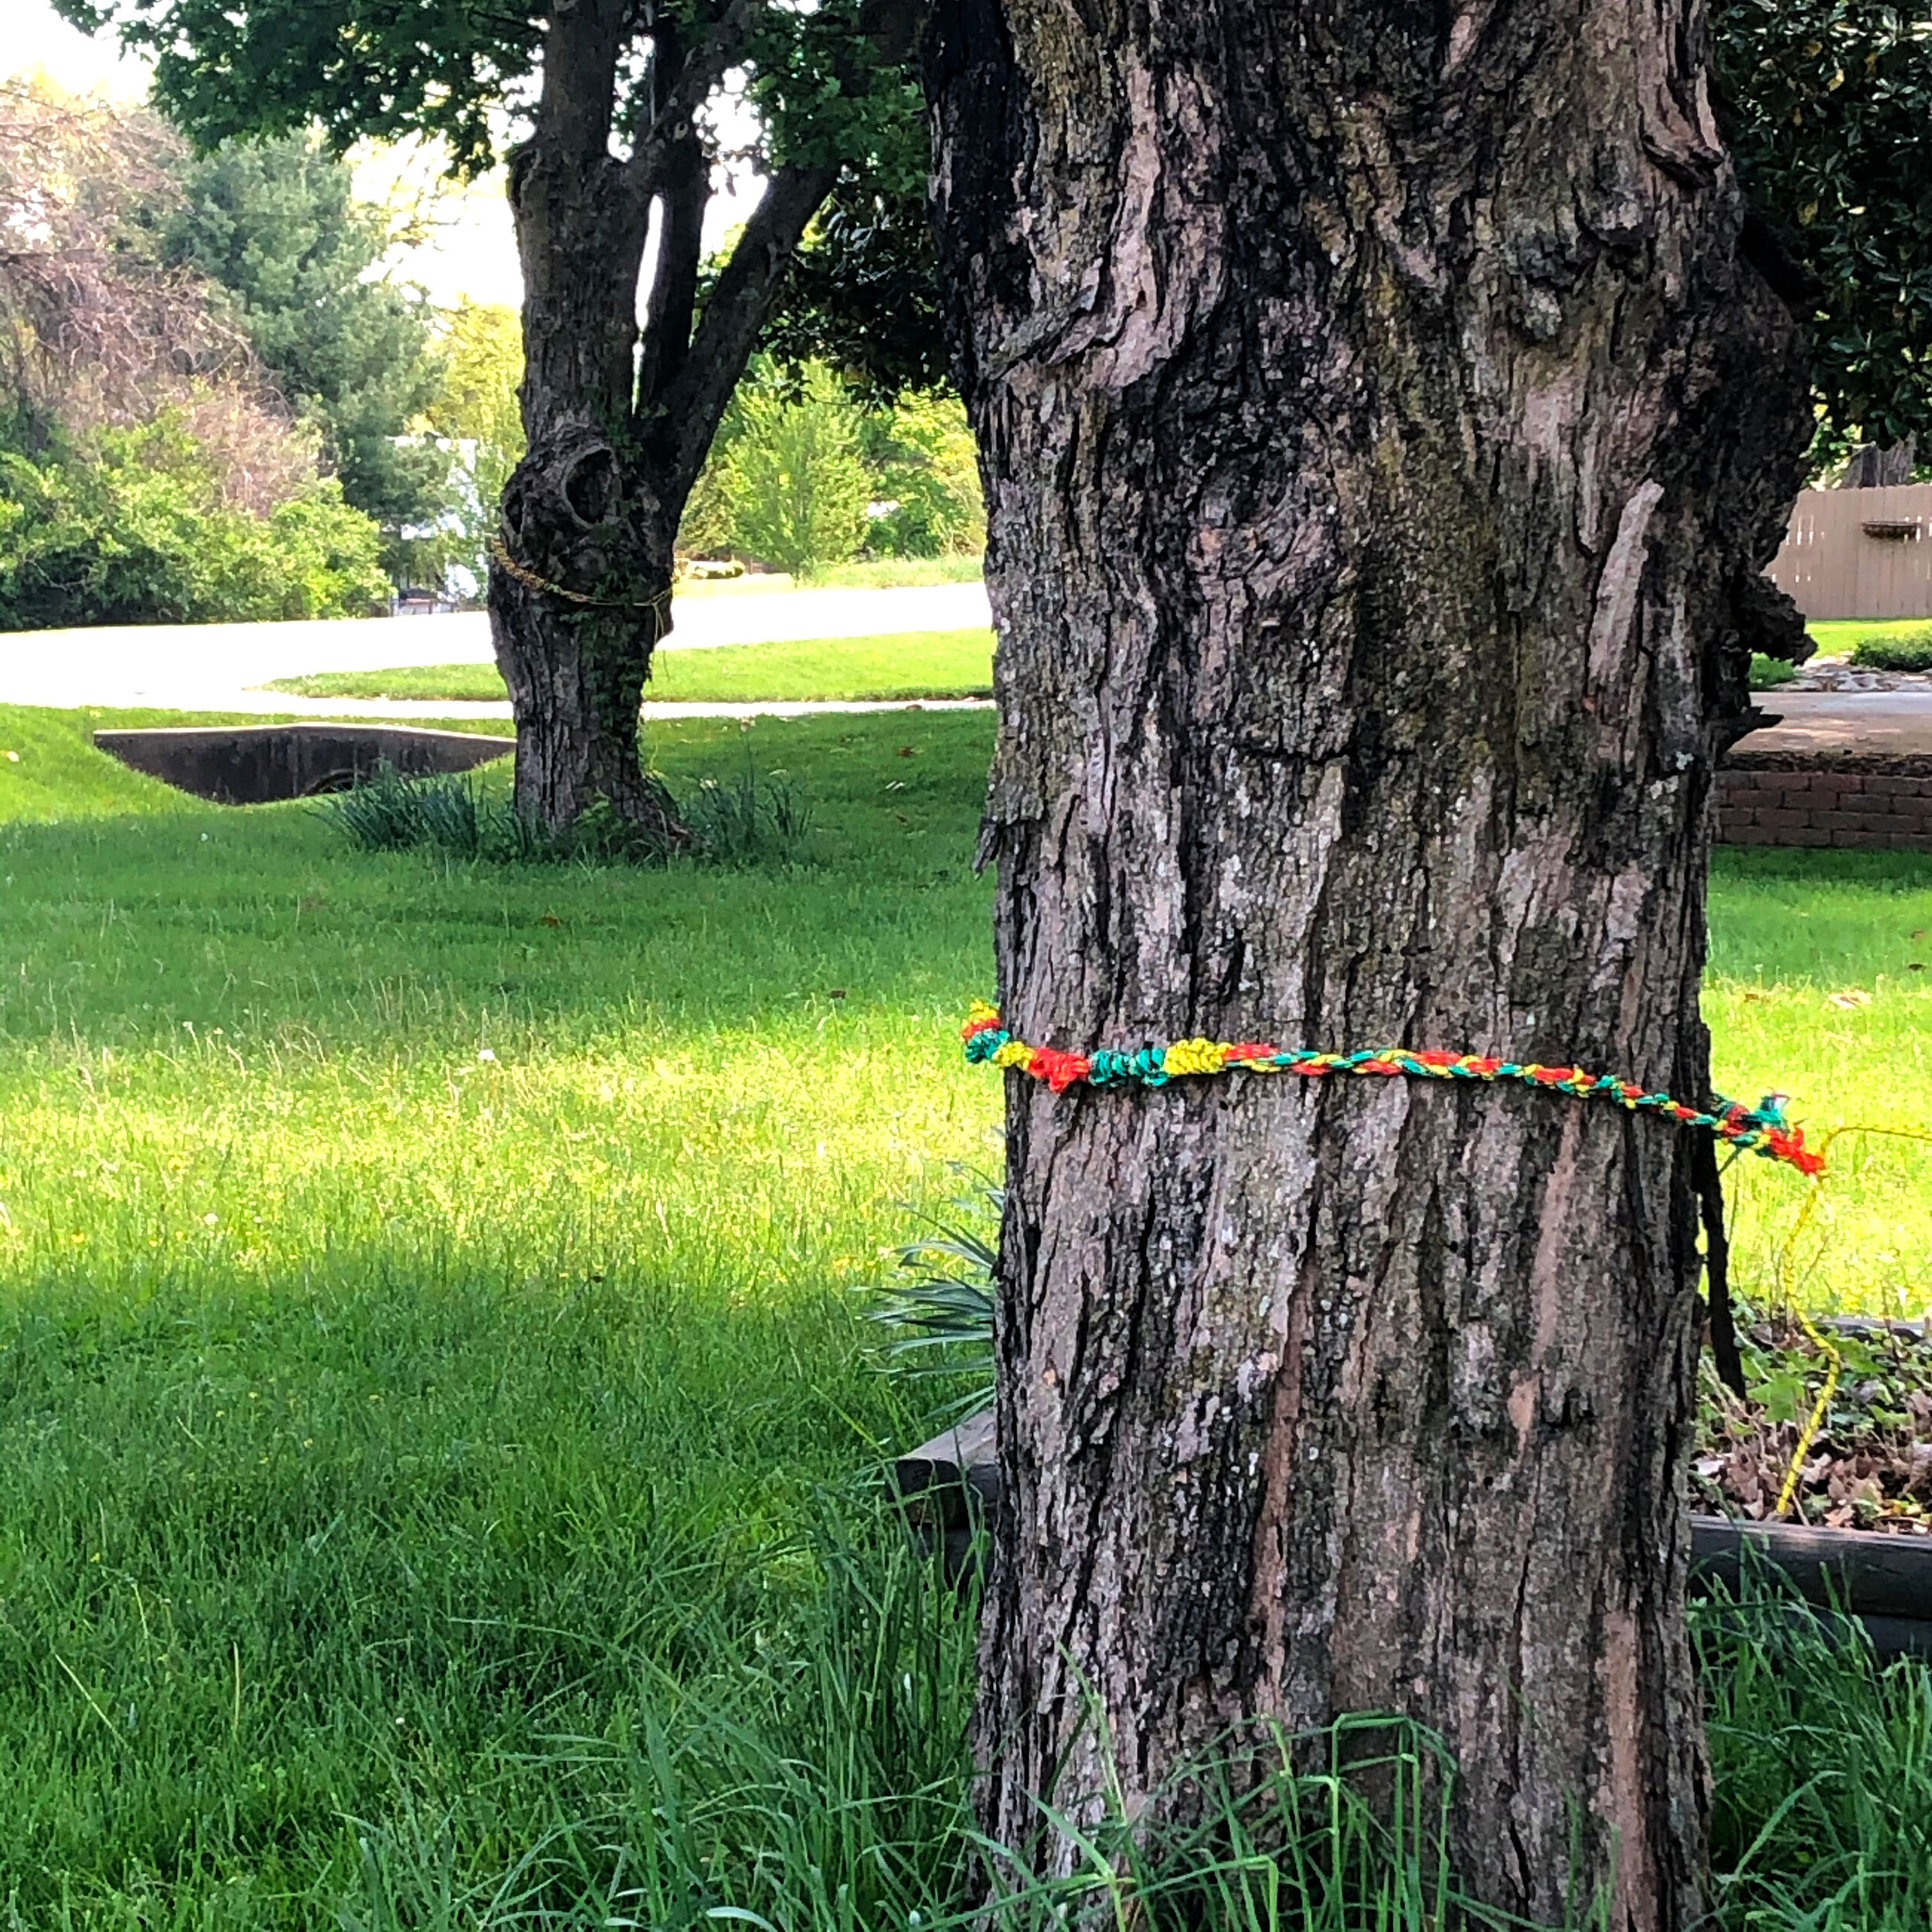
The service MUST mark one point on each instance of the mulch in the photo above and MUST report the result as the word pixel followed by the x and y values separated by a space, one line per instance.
pixel 1870 1465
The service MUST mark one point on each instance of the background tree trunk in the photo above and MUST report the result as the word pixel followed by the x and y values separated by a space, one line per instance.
pixel 579 515
pixel 616 430
pixel 1877 466
pixel 576 514
pixel 1381 435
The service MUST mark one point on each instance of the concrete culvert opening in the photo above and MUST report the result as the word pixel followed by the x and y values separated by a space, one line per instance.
pixel 263 764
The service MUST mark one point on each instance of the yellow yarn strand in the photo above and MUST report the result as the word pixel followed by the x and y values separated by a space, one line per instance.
pixel 1761 1130
pixel 658 606
pixel 1196 1056
pixel 1834 1362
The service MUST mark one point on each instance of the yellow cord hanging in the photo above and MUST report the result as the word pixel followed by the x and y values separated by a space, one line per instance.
pixel 1834 1362
pixel 659 606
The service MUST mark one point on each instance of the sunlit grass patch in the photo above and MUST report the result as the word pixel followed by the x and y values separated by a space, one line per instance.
pixel 427 1349
pixel 910 665
pixel 1834 638
pixel 1821 987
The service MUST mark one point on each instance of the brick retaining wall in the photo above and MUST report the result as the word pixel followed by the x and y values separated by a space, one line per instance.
pixel 1886 807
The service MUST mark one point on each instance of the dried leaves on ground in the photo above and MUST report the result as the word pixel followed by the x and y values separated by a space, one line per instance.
pixel 1869 1464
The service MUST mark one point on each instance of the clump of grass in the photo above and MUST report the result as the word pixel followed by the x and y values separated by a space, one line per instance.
pixel 747 820
pixel 1768 673
pixel 1895 650
pixel 388 812
pixel 940 1307
pixel 1821 1812
pixel 1275 1834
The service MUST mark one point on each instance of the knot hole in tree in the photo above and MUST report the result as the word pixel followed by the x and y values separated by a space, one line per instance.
pixel 576 516
pixel 591 486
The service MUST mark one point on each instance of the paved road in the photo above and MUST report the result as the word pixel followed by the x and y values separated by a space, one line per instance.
pixel 215 667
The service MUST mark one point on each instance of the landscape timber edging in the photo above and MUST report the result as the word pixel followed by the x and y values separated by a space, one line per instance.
pixel 946 1486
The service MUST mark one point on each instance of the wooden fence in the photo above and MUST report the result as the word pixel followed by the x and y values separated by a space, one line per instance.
pixel 1859 553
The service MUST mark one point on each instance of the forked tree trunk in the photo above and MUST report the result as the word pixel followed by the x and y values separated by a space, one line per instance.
pixel 1382 432
pixel 582 520
pixel 618 426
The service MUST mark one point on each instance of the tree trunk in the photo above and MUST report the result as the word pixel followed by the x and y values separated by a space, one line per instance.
pixel 1878 466
pixel 616 430
pixel 1382 434
pixel 584 566
pixel 575 669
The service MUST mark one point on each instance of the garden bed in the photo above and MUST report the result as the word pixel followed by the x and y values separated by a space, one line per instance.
pixel 1868 1467
pixel 1862 1539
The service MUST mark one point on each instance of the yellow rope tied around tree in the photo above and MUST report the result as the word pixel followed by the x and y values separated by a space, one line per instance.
pixel 659 606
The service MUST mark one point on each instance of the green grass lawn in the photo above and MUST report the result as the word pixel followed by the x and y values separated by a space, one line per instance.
pixel 429 1364
pixel 898 572
pixel 915 664
pixel 1836 639
pixel 1821 987
pixel 437 1445
pixel 943 663
pixel 873 573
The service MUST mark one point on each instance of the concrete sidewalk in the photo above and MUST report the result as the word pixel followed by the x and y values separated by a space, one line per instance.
pixel 216 666
pixel 1898 723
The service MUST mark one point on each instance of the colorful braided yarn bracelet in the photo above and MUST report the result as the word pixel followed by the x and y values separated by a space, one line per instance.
pixel 1762 1129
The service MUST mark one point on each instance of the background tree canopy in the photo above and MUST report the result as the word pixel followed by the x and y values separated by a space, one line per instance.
pixel 864 295
pixel 276 224
pixel 1827 105
pixel 476 425
pixel 150 467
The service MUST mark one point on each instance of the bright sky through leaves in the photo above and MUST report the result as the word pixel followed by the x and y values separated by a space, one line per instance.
pixel 467 249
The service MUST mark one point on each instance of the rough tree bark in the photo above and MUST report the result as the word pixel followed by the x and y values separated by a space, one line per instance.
pixel 1384 428
pixel 1875 466
pixel 617 427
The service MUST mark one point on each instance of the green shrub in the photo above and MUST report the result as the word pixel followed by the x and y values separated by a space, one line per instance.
pixel 795 488
pixel 1898 651
pixel 800 477
pixel 924 463
pixel 327 555
pixel 1768 673
pixel 134 529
